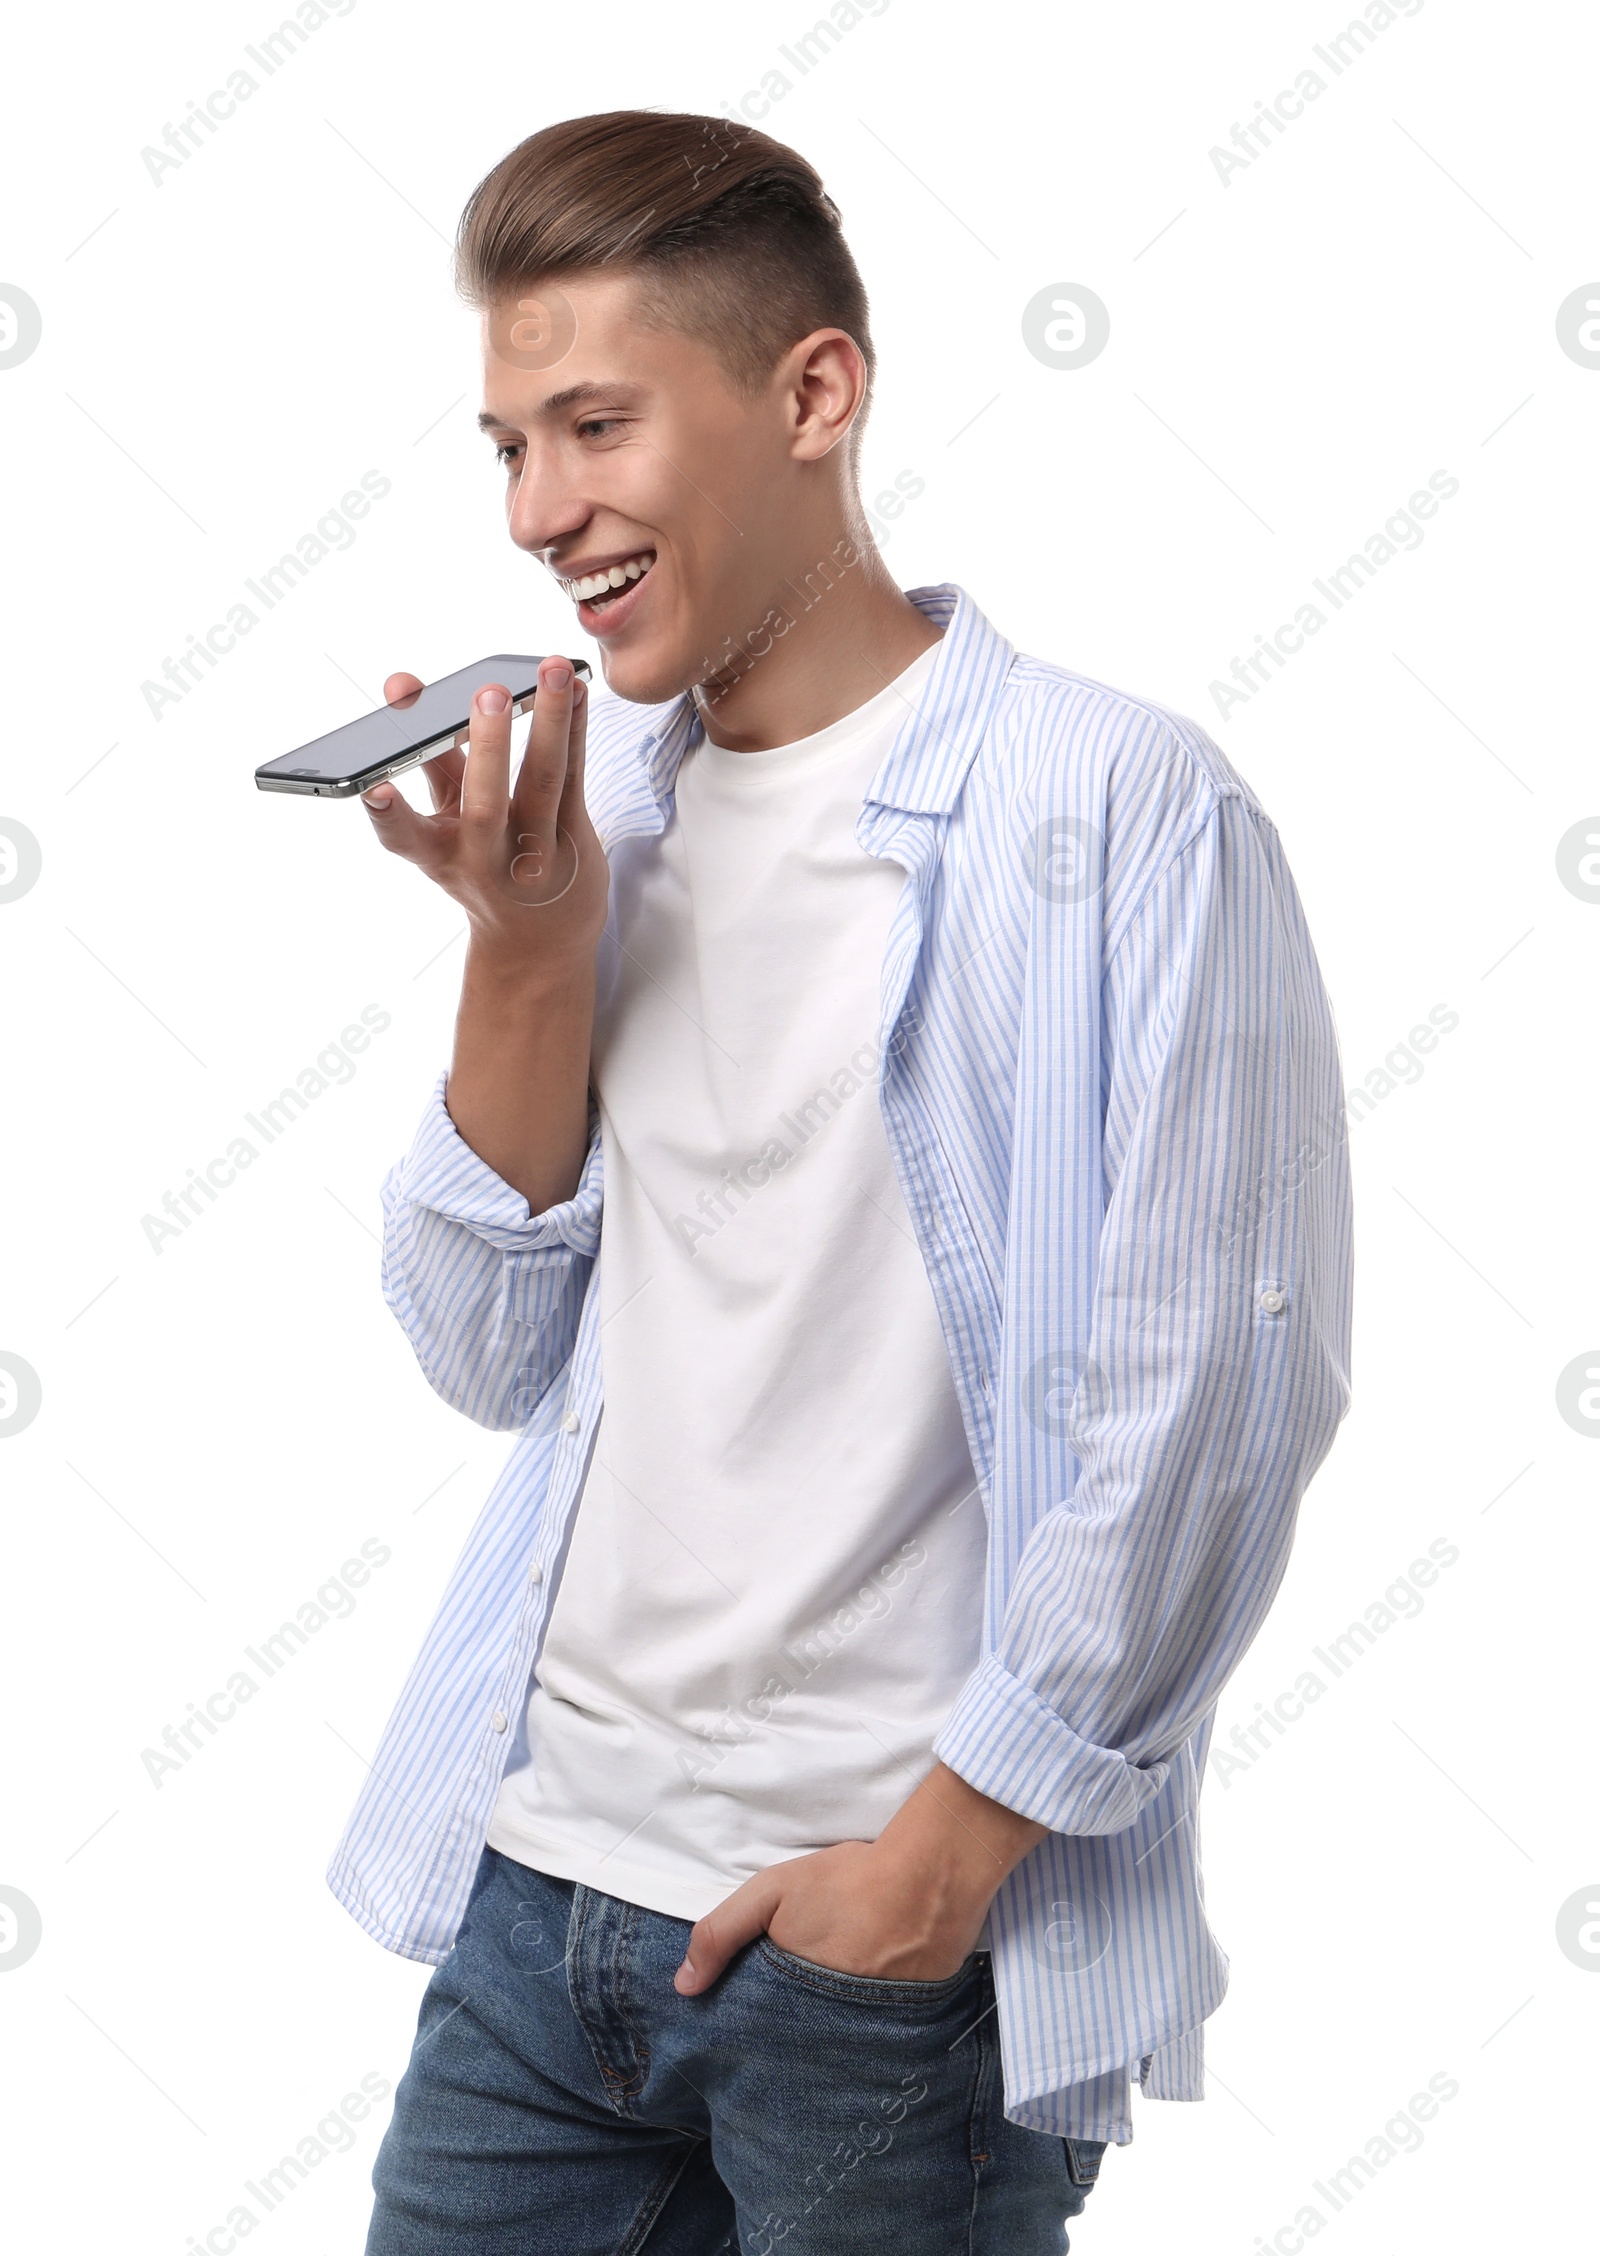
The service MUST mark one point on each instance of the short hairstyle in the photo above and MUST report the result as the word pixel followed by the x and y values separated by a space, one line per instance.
pixel 731 234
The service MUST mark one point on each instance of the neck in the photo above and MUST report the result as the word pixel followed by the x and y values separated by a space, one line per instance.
pixel 848 637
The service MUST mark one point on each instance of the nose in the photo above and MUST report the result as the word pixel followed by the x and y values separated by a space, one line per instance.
pixel 545 507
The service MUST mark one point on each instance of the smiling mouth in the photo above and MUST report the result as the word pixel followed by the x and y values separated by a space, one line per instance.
pixel 597 589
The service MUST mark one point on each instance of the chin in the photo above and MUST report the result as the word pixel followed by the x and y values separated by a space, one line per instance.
pixel 647 677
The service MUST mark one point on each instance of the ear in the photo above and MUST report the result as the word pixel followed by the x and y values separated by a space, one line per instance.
pixel 825 382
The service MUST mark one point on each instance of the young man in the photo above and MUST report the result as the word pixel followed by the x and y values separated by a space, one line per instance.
pixel 797 1790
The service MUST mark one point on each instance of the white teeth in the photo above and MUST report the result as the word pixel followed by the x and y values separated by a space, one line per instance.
pixel 615 576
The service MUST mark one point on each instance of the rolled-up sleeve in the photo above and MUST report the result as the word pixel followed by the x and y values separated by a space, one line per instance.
pixel 487 1291
pixel 1217 1364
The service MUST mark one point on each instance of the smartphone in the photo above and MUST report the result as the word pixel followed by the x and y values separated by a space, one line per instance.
pixel 381 744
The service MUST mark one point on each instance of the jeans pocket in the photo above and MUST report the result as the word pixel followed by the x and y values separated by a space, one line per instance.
pixel 868 1989
pixel 1084 2157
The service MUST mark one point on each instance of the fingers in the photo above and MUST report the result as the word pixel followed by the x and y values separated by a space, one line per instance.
pixel 737 1920
pixel 444 773
pixel 486 780
pixel 572 816
pixel 543 773
pixel 397 823
pixel 475 785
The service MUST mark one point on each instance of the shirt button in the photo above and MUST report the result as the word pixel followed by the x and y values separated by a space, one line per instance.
pixel 569 1423
pixel 1272 1302
pixel 536 1573
pixel 498 1719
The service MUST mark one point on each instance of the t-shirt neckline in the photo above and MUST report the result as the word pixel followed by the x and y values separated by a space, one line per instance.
pixel 845 734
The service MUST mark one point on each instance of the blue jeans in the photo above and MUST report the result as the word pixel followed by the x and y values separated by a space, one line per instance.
pixel 563 2100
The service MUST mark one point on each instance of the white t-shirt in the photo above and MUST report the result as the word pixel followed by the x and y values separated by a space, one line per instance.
pixel 773 1586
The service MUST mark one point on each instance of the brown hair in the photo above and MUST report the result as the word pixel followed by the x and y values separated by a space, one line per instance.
pixel 733 235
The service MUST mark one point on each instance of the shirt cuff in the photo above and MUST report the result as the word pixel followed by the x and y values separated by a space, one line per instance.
pixel 444 1174
pixel 1001 1738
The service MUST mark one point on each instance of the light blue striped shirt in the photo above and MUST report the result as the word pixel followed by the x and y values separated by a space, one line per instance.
pixel 1110 1082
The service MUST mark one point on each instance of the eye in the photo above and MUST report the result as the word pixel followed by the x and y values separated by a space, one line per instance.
pixel 503 455
pixel 603 424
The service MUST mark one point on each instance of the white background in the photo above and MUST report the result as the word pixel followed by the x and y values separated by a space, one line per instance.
pixel 1292 353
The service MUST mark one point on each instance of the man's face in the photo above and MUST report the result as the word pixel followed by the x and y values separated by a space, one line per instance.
pixel 631 455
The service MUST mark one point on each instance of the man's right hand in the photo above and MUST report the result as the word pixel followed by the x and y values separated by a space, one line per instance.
pixel 524 862
pixel 528 869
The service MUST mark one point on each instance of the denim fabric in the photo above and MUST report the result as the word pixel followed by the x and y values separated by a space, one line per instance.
pixel 563 2100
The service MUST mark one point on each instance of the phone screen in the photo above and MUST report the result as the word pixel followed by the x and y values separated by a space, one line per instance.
pixel 357 752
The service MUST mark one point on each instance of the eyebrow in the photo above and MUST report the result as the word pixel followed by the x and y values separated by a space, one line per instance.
pixel 575 395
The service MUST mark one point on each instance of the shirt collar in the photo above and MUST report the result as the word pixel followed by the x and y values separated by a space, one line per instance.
pixel 927 764
pixel 939 739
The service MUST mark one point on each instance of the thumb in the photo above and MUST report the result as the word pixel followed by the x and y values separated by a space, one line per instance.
pixel 398 825
pixel 737 1920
